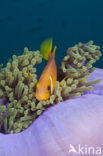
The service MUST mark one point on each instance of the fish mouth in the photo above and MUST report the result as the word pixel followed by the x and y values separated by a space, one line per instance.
pixel 40 97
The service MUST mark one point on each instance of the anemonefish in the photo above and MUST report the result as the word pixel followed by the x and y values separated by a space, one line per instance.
pixel 46 84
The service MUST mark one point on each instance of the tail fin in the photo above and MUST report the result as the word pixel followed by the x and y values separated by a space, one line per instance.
pixel 46 48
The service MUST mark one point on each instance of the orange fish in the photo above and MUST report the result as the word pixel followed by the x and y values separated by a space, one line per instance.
pixel 46 84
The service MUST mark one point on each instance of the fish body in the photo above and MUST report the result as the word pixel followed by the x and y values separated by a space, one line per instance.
pixel 46 84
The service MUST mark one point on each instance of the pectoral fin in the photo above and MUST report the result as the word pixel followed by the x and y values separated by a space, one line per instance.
pixel 63 79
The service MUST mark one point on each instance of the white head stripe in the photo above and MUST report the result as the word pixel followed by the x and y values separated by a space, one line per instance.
pixel 51 85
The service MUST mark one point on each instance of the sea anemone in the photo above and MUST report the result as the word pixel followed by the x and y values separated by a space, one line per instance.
pixel 19 107
pixel 77 121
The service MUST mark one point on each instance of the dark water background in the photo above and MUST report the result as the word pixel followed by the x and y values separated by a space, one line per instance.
pixel 29 22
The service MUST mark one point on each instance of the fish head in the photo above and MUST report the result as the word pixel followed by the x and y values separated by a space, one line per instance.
pixel 43 90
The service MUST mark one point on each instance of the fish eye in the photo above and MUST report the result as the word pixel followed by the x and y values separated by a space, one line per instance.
pixel 48 87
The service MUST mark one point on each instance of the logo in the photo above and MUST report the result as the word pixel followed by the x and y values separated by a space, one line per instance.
pixel 72 149
pixel 84 150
